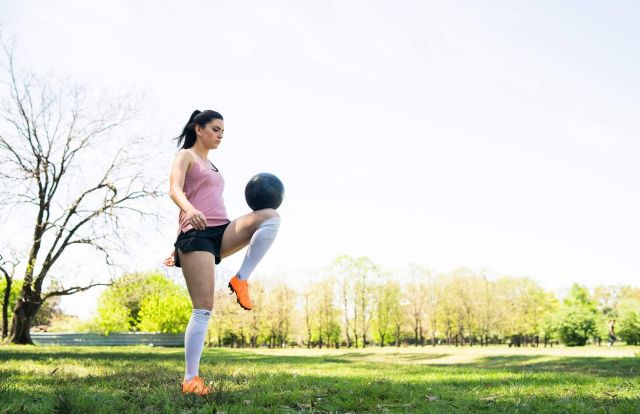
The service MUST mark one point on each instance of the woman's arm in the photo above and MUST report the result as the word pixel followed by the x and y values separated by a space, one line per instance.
pixel 176 180
pixel 176 184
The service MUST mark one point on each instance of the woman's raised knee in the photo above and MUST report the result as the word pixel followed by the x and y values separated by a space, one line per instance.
pixel 267 213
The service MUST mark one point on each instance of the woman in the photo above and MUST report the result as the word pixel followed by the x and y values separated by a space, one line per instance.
pixel 206 235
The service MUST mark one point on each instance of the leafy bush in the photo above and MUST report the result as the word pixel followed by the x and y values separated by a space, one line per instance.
pixel 16 287
pixel 576 326
pixel 113 314
pixel 167 311
pixel 629 321
pixel 143 302
pixel 577 321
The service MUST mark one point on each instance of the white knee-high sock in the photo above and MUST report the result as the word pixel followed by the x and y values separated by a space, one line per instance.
pixel 260 242
pixel 194 341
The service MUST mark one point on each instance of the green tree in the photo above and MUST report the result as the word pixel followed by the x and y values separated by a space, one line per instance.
pixel 256 320
pixel 415 293
pixel 366 271
pixel 229 323
pixel 166 311
pixel 523 305
pixel 433 304
pixel 120 306
pixel 325 313
pixel 629 320
pixel 343 267
pixel 310 321
pixel 463 287
pixel 355 295
pixel 548 324
pixel 113 314
pixel 386 305
pixel 9 299
pixel 606 299
pixel 577 321
pixel 279 314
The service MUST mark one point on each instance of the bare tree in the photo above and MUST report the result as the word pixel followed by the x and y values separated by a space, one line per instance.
pixel 280 310
pixel 464 286
pixel 326 313
pixel 256 318
pixel 415 292
pixel 433 303
pixel 342 265
pixel 364 271
pixel 308 312
pixel 486 310
pixel 386 302
pixel 48 135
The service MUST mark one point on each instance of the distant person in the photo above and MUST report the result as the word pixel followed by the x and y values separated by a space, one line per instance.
pixel 206 235
pixel 612 332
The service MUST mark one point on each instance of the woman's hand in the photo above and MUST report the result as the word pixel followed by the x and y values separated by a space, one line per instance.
pixel 197 219
pixel 170 261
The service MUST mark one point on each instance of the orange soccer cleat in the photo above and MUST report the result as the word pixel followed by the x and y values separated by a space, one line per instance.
pixel 241 289
pixel 195 386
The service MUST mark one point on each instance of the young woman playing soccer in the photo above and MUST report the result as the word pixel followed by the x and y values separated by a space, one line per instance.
pixel 206 235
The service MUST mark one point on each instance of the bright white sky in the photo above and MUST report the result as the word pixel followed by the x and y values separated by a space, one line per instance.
pixel 500 135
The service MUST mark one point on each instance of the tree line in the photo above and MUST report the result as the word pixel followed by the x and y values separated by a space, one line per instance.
pixel 358 304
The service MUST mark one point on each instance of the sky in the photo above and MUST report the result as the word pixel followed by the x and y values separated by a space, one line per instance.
pixel 494 135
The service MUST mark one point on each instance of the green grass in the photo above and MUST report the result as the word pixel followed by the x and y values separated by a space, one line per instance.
pixel 442 379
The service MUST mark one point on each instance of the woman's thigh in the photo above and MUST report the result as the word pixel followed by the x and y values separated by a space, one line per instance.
pixel 199 269
pixel 238 233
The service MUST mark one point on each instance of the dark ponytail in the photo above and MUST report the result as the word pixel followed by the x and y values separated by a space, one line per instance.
pixel 189 131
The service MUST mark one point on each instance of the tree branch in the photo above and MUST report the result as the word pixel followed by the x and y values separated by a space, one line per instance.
pixel 72 290
pixel 92 242
pixel 44 131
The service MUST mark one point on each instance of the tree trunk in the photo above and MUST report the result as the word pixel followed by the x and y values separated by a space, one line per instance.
pixel 346 322
pixel 23 315
pixel 5 308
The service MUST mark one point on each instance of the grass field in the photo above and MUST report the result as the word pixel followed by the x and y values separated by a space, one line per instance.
pixel 442 379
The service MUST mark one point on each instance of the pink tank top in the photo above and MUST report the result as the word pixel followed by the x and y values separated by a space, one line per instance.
pixel 203 187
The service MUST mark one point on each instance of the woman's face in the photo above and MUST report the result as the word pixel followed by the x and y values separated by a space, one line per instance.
pixel 211 134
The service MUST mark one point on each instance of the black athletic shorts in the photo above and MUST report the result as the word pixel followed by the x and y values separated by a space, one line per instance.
pixel 207 240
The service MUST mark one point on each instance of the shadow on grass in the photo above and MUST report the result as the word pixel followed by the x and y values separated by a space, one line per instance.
pixel 211 354
pixel 152 388
pixel 598 366
pixel 82 353
pixel 392 357
pixel 215 354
